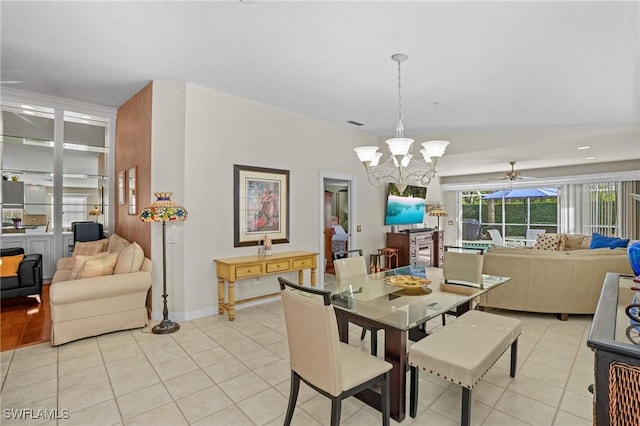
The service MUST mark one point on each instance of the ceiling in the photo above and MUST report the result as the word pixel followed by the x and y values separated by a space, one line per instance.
pixel 480 72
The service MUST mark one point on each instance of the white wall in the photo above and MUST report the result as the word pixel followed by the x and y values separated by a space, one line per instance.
pixel 198 135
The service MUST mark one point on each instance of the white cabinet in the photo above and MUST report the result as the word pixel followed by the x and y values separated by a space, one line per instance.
pixel 42 244
pixel 35 199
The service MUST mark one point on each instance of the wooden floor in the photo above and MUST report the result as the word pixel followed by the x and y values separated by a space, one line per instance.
pixel 24 321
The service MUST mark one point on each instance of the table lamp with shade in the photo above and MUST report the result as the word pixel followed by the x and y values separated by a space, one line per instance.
pixel 164 210
pixel 438 212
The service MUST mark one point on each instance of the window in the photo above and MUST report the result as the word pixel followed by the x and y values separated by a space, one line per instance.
pixel 74 209
pixel 599 211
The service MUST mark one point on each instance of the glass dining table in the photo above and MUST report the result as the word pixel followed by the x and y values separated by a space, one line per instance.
pixel 399 302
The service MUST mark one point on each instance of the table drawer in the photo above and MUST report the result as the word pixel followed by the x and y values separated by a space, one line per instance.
pixel 283 265
pixel 302 263
pixel 249 271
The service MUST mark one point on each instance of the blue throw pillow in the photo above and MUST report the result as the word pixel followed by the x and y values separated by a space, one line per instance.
pixel 600 241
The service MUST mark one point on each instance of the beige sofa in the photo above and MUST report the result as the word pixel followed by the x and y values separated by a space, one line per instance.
pixel 92 306
pixel 561 282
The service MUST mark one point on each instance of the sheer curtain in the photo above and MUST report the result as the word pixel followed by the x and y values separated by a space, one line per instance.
pixel 630 209
pixel 603 207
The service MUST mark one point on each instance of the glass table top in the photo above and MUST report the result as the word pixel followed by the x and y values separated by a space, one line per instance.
pixel 373 297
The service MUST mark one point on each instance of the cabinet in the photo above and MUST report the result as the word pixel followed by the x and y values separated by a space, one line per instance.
pixel 615 340
pixel 35 199
pixel 12 194
pixel 418 247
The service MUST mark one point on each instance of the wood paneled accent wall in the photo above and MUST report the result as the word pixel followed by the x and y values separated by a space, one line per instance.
pixel 133 148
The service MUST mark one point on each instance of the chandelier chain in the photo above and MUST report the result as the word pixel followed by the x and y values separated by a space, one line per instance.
pixel 400 129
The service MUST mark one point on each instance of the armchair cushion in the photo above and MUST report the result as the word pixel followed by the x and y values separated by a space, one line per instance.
pixel 116 243
pixel 130 259
pixel 98 267
pixel 89 248
pixel 9 265
pixel 79 261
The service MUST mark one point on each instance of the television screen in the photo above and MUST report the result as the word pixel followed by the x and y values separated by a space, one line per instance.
pixel 406 207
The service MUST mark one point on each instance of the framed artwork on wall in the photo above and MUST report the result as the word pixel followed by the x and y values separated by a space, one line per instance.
pixel 121 194
pixel 260 205
pixel 131 186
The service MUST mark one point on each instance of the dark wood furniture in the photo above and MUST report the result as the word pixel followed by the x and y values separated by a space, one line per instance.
pixel 418 246
pixel 388 308
pixel 615 340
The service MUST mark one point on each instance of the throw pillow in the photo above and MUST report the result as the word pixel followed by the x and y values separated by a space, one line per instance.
pixel 89 248
pixel 116 243
pixel 547 242
pixel 99 267
pixel 573 241
pixel 79 261
pixel 130 260
pixel 9 265
pixel 601 241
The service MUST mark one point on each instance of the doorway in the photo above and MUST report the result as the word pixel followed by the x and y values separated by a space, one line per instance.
pixel 337 218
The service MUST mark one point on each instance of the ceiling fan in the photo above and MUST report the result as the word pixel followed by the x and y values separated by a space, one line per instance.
pixel 513 174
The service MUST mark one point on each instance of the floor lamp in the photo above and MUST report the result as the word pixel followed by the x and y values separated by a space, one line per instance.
pixel 164 210
pixel 439 212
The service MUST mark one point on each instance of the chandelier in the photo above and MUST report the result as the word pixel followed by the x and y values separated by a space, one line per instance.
pixel 401 167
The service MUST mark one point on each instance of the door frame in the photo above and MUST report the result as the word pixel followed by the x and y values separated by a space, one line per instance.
pixel 351 188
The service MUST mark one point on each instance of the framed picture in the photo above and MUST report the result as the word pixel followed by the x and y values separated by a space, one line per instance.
pixel 131 186
pixel 121 196
pixel 260 205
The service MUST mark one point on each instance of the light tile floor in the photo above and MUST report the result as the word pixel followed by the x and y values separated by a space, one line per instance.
pixel 216 372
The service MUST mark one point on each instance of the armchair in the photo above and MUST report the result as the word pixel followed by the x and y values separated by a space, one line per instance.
pixel 28 281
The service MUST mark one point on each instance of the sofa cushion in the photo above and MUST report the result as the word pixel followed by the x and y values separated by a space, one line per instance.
pixel 546 241
pixel 576 242
pixel 602 241
pixel 130 259
pixel 89 248
pixel 99 267
pixel 9 265
pixel 116 243
pixel 79 261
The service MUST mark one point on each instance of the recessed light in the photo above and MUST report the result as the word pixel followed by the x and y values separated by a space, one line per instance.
pixel 583 147
pixel 26 107
pixel 589 158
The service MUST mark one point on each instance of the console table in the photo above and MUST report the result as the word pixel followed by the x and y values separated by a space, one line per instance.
pixel 235 268
pixel 615 339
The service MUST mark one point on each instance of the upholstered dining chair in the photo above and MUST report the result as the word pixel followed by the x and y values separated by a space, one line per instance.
pixel 318 358
pixel 462 267
pixel 350 267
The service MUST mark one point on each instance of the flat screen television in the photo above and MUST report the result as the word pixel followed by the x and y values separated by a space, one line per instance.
pixel 406 207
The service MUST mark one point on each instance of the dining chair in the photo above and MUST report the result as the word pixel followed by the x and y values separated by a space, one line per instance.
pixel 351 267
pixel 318 358
pixel 462 267
pixel 496 237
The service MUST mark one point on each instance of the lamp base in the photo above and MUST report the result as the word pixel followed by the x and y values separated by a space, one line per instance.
pixel 165 327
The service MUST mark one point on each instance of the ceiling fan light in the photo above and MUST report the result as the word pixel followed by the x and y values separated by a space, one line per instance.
pixel 399 146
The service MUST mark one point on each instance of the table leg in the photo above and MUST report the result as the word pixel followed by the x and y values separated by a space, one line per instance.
pixel 220 296
pixel 395 353
pixel 313 277
pixel 232 301
pixel 301 277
